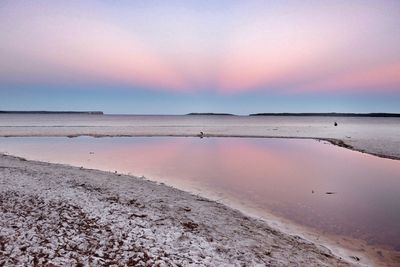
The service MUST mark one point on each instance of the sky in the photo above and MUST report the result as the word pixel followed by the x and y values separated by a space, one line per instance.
pixel 175 57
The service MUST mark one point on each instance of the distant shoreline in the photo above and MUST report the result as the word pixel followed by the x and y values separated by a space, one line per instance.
pixel 283 114
pixel 330 114
pixel 209 114
pixel 52 112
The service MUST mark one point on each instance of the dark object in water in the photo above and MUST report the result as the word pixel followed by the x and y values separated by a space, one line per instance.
pixel 335 123
pixel 201 134
pixel 330 193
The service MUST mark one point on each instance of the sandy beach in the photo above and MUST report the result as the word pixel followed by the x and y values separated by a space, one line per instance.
pixel 66 216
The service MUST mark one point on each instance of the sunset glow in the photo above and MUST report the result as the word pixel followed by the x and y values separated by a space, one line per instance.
pixel 201 50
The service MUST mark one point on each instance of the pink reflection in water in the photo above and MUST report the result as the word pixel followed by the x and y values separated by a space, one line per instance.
pixel 288 177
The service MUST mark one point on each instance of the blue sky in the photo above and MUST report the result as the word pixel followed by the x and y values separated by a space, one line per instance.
pixel 145 101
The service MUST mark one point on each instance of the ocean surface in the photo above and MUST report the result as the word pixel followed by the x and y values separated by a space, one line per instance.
pixel 85 120
pixel 332 190
pixel 379 136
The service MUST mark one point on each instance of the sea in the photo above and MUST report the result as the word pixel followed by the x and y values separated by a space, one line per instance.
pixel 330 190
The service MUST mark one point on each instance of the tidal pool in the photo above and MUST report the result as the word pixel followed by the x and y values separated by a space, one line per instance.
pixel 323 187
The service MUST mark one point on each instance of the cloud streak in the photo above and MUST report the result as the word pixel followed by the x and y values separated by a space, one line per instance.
pixel 229 47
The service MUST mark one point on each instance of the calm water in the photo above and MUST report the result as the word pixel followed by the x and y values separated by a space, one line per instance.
pixel 289 178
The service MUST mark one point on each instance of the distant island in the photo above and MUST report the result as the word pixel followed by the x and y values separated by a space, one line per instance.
pixel 331 114
pixel 211 114
pixel 52 112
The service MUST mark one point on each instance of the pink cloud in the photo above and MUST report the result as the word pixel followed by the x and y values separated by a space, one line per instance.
pixel 376 78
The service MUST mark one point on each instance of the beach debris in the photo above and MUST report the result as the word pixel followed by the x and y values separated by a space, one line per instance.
pixel 87 187
pixel 203 199
pixel 190 225
pixel 137 215
pixel 327 255
pixel 113 199
pixel 330 193
pixel 187 209
pixel 132 201
pixel 136 203
pixel 355 258
pixel 335 124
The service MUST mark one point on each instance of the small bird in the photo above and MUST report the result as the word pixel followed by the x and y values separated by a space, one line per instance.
pixel 335 123
pixel 201 134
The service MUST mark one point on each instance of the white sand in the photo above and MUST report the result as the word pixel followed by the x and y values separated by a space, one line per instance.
pixel 67 216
